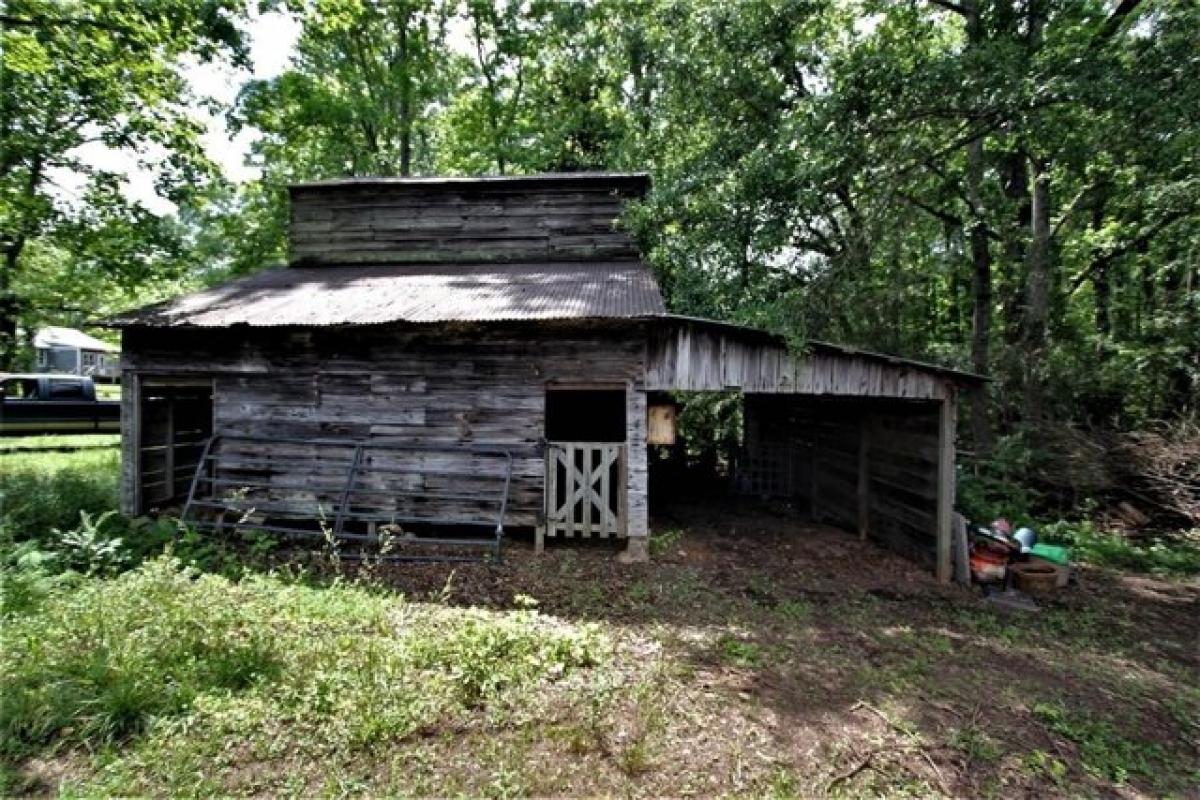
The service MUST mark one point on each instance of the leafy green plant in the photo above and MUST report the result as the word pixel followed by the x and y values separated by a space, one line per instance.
pixel 1042 764
pixel 664 541
pixel 1177 554
pixel 28 575
pixel 999 486
pixel 739 652
pixel 88 548
pixel 1103 750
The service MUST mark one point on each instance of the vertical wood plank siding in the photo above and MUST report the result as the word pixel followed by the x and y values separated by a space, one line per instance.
pixel 688 357
pixel 390 223
pixel 450 385
pixel 813 448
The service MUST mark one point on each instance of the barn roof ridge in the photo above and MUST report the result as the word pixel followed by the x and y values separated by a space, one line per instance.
pixel 635 180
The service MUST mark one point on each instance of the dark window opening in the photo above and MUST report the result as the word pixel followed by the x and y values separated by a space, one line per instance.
pixel 66 390
pixel 585 415
pixel 20 389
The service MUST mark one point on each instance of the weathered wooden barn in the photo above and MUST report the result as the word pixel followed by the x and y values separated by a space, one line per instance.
pixel 473 351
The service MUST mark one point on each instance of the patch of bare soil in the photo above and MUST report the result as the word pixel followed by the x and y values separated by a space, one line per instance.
pixel 795 658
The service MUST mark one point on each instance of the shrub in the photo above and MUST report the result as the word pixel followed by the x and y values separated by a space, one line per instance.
pixel 88 548
pixel 1178 554
pixel 999 487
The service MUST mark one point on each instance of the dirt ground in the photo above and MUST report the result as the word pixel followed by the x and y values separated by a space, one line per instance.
pixel 773 656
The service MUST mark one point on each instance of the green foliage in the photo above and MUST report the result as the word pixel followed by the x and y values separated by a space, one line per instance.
pixel 28 575
pixel 662 542
pixel 99 663
pixel 46 491
pixel 740 652
pixel 1103 750
pixel 1042 764
pixel 999 486
pixel 87 548
pixel 79 73
pixel 1169 554
pixel 710 423
pixel 165 648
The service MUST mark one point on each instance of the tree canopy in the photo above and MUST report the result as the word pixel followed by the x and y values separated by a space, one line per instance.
pixel 1007 186
pixel 76 73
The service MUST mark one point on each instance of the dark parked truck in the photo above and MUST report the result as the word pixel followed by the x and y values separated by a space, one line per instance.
pixel 33 404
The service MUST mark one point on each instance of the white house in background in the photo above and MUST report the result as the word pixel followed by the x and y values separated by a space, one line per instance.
pixel 71 351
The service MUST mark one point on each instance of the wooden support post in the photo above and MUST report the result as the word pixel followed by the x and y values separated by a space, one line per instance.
pixel 131 421
pixel 962 558
pixel 945 492
pixel 864 475
pixel 635 501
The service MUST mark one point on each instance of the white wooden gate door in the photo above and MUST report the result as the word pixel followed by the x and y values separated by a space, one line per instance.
pixel 585 489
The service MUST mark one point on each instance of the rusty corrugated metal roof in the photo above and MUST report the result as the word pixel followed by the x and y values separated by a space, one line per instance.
pixel 370 295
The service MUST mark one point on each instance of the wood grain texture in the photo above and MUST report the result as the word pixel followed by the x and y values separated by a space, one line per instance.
pixel 428 224
pixel 439 386
pixel 813 450
pixel 689 357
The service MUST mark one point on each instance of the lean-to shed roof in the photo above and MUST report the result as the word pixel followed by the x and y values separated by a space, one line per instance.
pixel 367 295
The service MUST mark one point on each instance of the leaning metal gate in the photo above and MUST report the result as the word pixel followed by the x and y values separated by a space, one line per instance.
pixel 406 497
pixel 585 489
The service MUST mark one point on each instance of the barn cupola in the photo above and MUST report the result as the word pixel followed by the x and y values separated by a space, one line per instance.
pixel 520 219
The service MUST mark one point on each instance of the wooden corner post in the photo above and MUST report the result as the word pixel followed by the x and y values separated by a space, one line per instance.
pixel 948 421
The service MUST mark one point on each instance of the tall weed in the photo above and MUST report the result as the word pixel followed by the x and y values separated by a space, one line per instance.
pixel 43 491
pixel 123 656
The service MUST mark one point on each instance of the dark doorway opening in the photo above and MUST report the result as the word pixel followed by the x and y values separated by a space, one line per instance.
pixel 174 422
pixel 585 415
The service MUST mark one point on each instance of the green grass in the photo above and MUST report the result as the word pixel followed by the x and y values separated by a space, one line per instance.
pixel 49 441
pixel 125 673
pixel 108 391
pixel 43 491
pixel 159 668
pixel 1104 750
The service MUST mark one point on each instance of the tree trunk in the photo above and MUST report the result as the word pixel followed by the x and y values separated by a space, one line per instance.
pixel 981 300
pixel 981 266
pixel 406 111
pixel 1036 312
pixel 10 305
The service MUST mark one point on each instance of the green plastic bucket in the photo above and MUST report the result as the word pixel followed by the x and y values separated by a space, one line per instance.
pixel 1052 552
